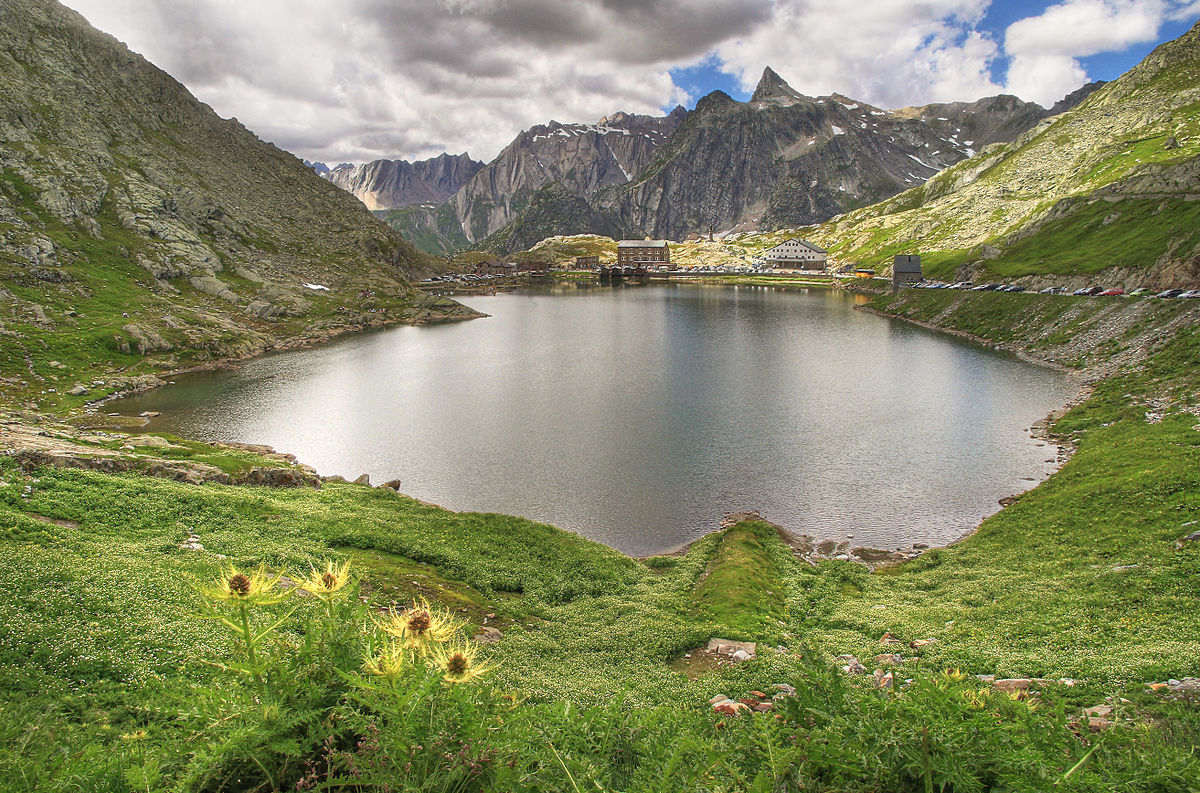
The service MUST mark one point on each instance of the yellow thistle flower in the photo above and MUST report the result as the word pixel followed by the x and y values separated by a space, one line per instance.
pixel 420 626
pixel 957 675
pixel 458 662
pixel 236 586
pixel 136 735
pixel 325 583
pixel 390 661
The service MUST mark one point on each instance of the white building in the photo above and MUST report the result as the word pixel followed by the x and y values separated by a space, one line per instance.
pixel 796 254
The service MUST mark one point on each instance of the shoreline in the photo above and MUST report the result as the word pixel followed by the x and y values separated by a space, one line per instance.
pixel 811 549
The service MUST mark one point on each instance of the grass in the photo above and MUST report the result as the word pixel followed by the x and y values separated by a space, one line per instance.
pixel 741 588
pixel 1079 579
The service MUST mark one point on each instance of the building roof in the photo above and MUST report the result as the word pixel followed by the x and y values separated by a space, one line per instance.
pixel 906 264
pixel 801 243
pixel 642 244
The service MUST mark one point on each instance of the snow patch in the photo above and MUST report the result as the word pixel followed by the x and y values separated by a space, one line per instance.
pixel 837 130
pixel 316 287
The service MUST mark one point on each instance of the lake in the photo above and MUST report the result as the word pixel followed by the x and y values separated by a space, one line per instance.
pixel 638 415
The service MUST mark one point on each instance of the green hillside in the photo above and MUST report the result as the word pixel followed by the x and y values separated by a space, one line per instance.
pixel 144 233
pixel 1106 188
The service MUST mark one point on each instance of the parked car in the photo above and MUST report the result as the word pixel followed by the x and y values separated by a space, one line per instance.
pixel 1081 291
pixel 1139 292
pixel 1112 292
pixel 1190 293
pixel 1053 290
pixel 1170 293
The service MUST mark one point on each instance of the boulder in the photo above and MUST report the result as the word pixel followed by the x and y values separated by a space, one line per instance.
pixel 731 648
pixel 78 390
pixel 393 484
pixel 851 665
pixel 488 635
pixel 1185 539
pixel 363 479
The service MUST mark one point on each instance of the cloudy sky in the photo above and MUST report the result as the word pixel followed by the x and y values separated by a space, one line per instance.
pixel 355 80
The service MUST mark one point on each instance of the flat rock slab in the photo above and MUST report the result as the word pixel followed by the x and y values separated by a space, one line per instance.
pixel 732 648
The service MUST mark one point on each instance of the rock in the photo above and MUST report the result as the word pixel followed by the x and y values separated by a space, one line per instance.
pixel 394 484
pixel 363 479
pixel 488 635
pixel 730 707
pixel 149 414
pixel 279 477
pixel 730 647
pixel 1013 684
pixel 1184 540
pixel 1098 724
pixel 718 698
pixel 919 643
pixel 889 638
pixel 150 441
pixel 1099 711
pixel 891 659
pixel 741 655
pixel 78 390
pixel 1123 567
pixel 1170 143
pixel 883 679
pixel 762 707
pixel 851 665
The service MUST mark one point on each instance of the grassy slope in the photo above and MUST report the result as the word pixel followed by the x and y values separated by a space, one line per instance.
pixel 97 638
pixel 1093 166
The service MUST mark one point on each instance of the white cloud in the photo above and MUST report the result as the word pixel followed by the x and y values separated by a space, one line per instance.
pixel 1044 49
pixel 361 79
pixel 887 52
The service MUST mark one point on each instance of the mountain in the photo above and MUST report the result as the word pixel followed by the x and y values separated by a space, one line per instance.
pixel 1106 191
pixel 785 159
pixel 137 221
pixel 582 158
pixel 780 159
pixel 387 184
pixel 320 167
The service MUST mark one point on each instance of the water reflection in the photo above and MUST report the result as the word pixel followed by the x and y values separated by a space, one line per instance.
pixel 638 415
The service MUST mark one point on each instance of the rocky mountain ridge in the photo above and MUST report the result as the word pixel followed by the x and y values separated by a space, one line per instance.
pixel 779 159
pixel 135 221
pixel 389 184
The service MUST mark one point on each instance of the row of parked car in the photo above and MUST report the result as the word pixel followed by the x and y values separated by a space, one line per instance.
pixel 1097 291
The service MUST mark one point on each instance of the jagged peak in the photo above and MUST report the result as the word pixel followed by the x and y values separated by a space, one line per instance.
pixel 716 100
pixel 772 87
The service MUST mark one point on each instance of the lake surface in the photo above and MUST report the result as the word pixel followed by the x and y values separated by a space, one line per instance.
pixel 639 415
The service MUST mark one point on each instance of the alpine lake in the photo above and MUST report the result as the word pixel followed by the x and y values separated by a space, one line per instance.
pixel 638 415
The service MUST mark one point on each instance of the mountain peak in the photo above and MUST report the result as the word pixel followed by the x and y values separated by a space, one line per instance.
pixel 773 87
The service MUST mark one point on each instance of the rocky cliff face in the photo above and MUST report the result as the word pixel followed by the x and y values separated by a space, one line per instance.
pixel 135 220
pixel 389 184
pixel 583 158
pixel 780 159
pixel 1109 186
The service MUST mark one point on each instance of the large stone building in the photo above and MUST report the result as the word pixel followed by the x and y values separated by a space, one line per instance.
pixel 796 254
pixel 641 253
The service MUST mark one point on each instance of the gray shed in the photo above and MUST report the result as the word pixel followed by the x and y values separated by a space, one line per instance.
pixel 906 270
